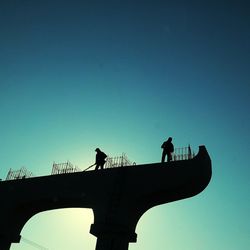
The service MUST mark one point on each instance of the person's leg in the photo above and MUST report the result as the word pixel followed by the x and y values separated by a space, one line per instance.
pixel 102 165
pixel 163 157
pixel 169 157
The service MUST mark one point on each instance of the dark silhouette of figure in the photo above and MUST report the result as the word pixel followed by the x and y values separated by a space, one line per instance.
pixel 168 149
pixel 100 159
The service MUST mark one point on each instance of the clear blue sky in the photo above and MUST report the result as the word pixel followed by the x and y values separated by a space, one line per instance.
pixel 123 76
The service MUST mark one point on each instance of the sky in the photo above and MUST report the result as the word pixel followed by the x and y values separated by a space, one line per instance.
pixel 124 76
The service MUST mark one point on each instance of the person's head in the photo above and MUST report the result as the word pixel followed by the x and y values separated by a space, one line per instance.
pixel 97 150
pixel 170 139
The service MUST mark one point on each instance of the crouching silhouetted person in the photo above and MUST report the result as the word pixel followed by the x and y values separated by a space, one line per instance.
pixel 100 159
pixel 168 149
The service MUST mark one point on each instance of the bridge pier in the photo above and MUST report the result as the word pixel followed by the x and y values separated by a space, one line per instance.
pixel 5 241
pixel 112 237
pixel 111 243
pixel 118 197
pixel 5 244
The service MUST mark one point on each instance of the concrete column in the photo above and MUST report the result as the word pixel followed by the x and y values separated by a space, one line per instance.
pixel 111 243
pixel 7 238
pixel 112 237
pixel 5 244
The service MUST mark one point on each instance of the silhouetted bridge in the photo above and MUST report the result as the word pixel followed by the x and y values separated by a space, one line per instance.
pixel 118 197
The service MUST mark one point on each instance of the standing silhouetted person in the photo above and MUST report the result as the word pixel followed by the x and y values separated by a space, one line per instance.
pixel 168 149
pixel 100 159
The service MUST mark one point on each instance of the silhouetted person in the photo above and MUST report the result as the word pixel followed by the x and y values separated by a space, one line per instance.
pixel 100 159
pixel 168 149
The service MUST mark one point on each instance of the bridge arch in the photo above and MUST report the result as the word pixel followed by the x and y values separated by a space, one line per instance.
pixel 58 228
pixel 118 197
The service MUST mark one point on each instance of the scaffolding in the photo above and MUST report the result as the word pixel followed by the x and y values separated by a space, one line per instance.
pixel 64 168
pixel 184 153
pixel 118 161
pixel 18 174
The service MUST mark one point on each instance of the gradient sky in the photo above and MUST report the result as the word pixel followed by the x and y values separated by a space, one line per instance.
pixel 123 76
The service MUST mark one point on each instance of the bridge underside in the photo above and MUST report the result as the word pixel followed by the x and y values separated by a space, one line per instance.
pixel 118 197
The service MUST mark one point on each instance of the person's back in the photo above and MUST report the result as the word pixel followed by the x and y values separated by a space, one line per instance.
pixel 168 149
pixel 100 158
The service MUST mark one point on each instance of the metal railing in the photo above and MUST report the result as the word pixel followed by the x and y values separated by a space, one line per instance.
pixel 64 168
pixel 18 174
pixel 118 161
pixel 184 153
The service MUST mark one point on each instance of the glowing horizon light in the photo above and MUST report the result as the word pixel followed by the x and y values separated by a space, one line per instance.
pixel 55 229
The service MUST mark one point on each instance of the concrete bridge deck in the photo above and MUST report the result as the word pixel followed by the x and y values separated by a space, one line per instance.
pixel 118 197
